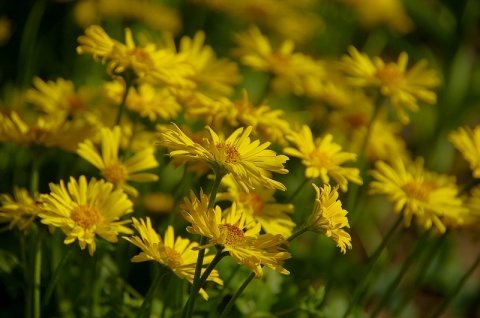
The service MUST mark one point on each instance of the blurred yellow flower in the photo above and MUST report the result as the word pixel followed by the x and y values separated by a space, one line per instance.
pixel 5 30
pixel 259 206
pixel 19 210
pixel 178 254
pixel 432 198
pixel 83 210
pixel 467 141
pixel 115 169
pixel 328 217
pixel 247 161
pixel 245 246
pixel 323 158
pixel 404 88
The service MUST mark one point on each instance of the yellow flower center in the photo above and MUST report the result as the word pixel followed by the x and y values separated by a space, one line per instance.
pixel 390 75
pixel 75 103
pixel 234 234
pixel 419 191
pixel 231 153
pixel 141 56
pixel 173 256
pixel 85 216
pixel 321 159
pixel 255 201
pixel 115 173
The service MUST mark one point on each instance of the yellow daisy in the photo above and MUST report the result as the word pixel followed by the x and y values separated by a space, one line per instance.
pixel 245 246
pixel 246 161
pixel 19 210
pixel 113 168
pixel 178 254
pixel 432 198
pixel 259 206
pixel 467 141
pixel 404 88
pixel 83 210
pixel 329 218
pixel 323 158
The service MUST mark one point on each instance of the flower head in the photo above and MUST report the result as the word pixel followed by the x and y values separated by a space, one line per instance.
pixel 247 161
pixel 227 230
pixel 329 218
pixel 467 141
pixel 19 210
pixel 113 168
pixel 178 253
pixel 83 210
pixel 323 158
pixel 430 197
pixel 404 88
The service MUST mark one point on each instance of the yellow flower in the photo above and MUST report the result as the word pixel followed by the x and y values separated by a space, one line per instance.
pixel 83 210
pixel 403 87
pixel 467 141
pixel 329 218
pixel 148 62
pixel 246 247
pixel 48 130
pixel 54 97
pixel 323 158
pixel 430 197
pixel 19 210
pixel 178 254
pixel 246 161
pixel 5 30
pixel 113 168
pixel 259 206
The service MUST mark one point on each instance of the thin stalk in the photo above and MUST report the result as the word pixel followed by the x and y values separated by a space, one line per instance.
pixel 454 292
pixel 211 266
pixel 128 82
pixel 302 230
pixel 37 275
pixel 53 281
pixel 226 283
pixel 363 283
pixel 149 296
pixel 420 275
pixel 297 191
pixel 419 248
pixel 237 294
pixel 188 309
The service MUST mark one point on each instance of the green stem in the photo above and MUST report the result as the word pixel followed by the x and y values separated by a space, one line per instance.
pixel 406 265
pixel 211 266
pixel 128 82
pixel 226 283
pixel 237 294
pixel 362 285
pixel 297 191
pixel 454 292
pixel 53 281
pixel 423 268
pixel 151 291
pixel 302 230
pixel 37 274
pixel 188 309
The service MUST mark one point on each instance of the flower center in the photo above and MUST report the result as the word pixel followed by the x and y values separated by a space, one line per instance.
pixel 173 256
pixel 254 200
pixel 356 120
pixel 141 56
pixel 234 234
pixel 231 153
pixel 321 159
pixel 390 75
pixel 85 216
pixel 419 191
pixel 75 103
pixel 115 173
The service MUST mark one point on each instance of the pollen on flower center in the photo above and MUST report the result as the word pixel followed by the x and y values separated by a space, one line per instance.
pixel 419 191
pixel 141 56
pixel 255 201
pixel 231 153
pixel 234 235
pixel 75 103
pixel 115 173
pixel 321 159
pixel 85 216
pixel 390 74
pixel 173 256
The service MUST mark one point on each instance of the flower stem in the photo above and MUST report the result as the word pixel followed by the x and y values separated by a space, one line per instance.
pixel 53 281
pixel 362 285
pixel 128 82
pixel 190 305
pixel 237 294
pixel 211 266
pixel 302 230
pixel 298 190
pixel 454 292
pixel 149 296
pixel 419 248
pixel 37 274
